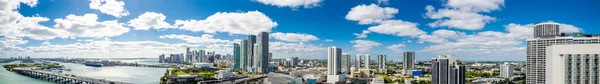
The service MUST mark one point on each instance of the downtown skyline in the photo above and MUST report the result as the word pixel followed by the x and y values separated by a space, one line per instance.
pixel 493 29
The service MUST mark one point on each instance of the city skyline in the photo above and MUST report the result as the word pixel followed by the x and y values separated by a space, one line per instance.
pixel 495 30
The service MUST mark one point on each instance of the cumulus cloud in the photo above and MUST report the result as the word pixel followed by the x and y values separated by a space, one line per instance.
pixel 247 23
pixel 463 14
pixel 287 50
pixel 150 20
pixel 364 45
pixel 294 37
pixel 88 26
pixel 484 43
pixel 110 7
pixel 46 43
pixel 397 48
pixel 397 28
pixel 369 14
pixel 291 3
pixel 205 38
pixel 362 35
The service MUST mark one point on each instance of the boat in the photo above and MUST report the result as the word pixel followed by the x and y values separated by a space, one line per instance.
pixel 94 64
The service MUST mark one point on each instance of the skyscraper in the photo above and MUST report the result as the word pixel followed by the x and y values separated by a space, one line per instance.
pixel 188 55
pixel 250 55
pixel 573 64
pixel 201 56
pixel 357 60
pixel 333 60
pixel 181 58
pixel 545 36
pixel 381 58
pixel 346 63
pixel 161 58
pixel 506 70
pixel 236 56
pixel 294 62
pixel 443 72
pixel 262 52
pixel 409 62
pixel 367 61
pixel 244 54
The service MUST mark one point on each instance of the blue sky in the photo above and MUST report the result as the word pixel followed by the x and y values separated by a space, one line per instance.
pixel 471 30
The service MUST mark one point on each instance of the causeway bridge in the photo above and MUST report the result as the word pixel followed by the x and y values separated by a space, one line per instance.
pixel 62 78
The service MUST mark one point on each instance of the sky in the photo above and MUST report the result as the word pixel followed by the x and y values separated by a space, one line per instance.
pixel 493 30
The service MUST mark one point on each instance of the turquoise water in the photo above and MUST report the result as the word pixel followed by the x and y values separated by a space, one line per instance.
pixel 137 75
pixel 7 77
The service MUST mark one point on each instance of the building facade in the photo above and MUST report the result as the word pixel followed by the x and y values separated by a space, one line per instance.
pixel 244 54
pixel 250 52
pixel 346 63
pixel 262 52
pixel 506 70
pixel 367 61
pixel 334 55
pixel 381 58
pixel 573 64
pixel 236 56
pixel 444 72
pixel 408 62
pixel 545 36
pixel 357 60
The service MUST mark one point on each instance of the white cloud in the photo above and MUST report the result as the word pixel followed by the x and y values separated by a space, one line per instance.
pixel 252 22
pixel 291 3
pixel 440 36
pixel 484 43
pixel 46 43
pixel 205 38
pixel 8 44
pixel 463 14
pixel 294 37
pixel 566 28
pixel 150 20
pixel 397 28
pixel 12 23
pixel 364 45
pixel 362 35
pixel 88 26
pixel 369 14
pixel 383 1
pixel 110 7
pixel 454 18
pixel 397 48
pixel 287 50
pixel 476 5
pixel 328 40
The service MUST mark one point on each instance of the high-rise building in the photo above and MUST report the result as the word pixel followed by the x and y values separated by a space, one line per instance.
pixel 573 64
pixel 357 60
pixel 334 55
pixel 188 55
pixel 201 56
pixel 545 35
pixel 244 54
pixel 161 58
pixel 294 61
pixel 334 64
pixel 546 30
pixel 346 63
pixel 255 58
pixel 270 57
pixel 367 61
pixel 408 62
pixel 250 52
pixel 506 70
pixel 443 72
pixel 236 56
pixel 262 52
pixel 381 58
